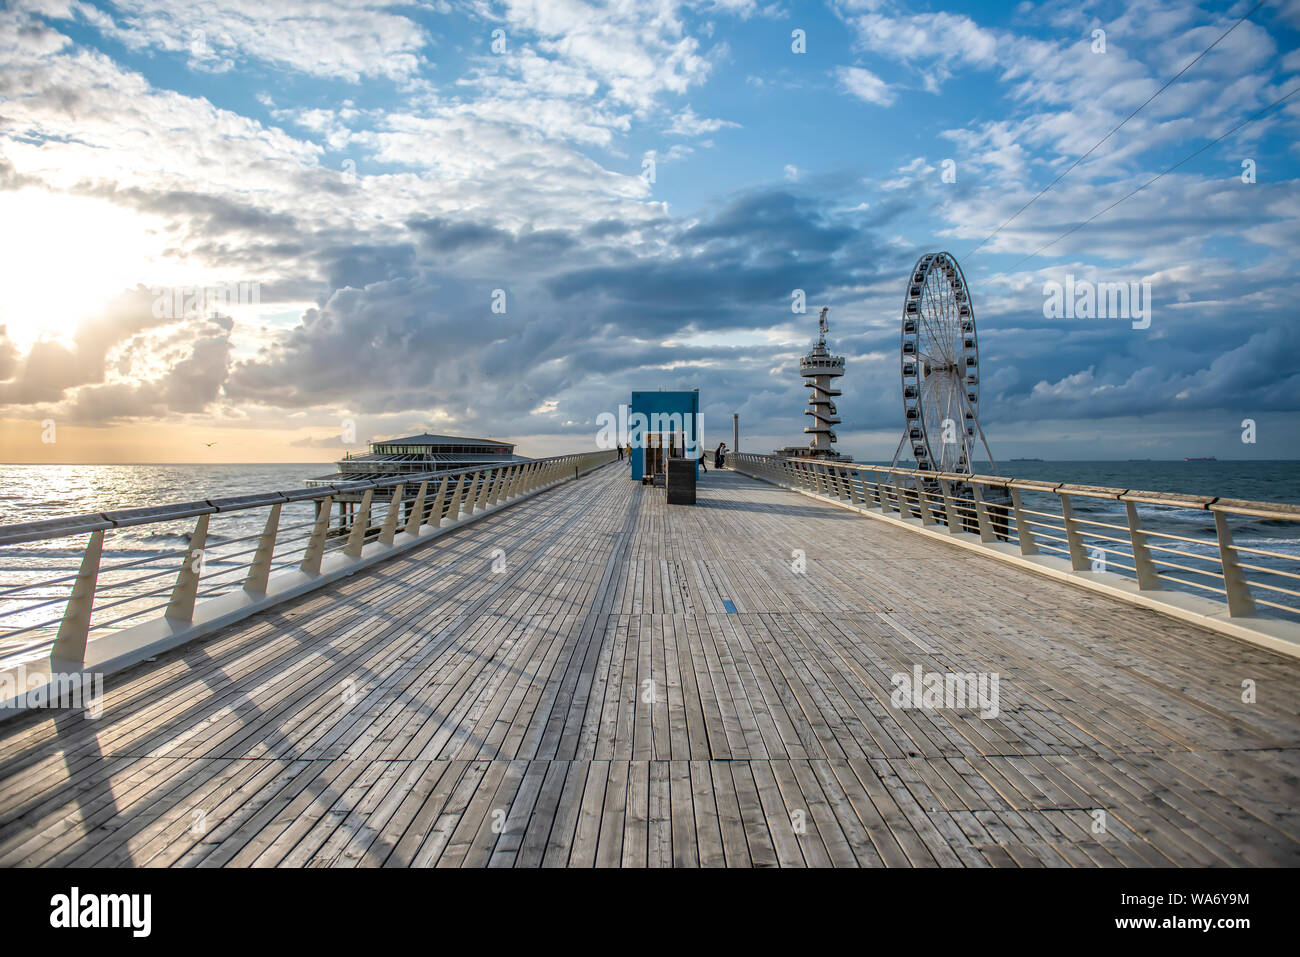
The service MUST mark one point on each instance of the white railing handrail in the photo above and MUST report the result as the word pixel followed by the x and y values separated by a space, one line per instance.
pixel 21 533
pixel 1275 510
pixel 269 565
pixel 1150 565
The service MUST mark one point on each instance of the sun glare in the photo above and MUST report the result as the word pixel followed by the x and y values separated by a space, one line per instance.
pixel 64 257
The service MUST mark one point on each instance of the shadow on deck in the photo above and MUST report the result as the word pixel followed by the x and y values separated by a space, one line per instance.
pixel 653 685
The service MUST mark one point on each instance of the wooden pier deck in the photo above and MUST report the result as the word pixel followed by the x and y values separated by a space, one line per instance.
pixel 653 685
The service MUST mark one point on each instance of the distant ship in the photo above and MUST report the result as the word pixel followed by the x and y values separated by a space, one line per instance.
pixel 1202 458
pixel 1024 460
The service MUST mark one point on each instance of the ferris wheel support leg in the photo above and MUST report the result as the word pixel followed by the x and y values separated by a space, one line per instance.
pixel 898 448
pixel 993 466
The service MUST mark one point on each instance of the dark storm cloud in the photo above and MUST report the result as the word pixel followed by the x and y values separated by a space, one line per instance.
pixel 427 337
pixel 777 219
pixel 750 256
pixel 446 236
pixel 204 213
pixel 360 265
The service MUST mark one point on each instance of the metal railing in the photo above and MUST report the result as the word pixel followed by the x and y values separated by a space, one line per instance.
pixel 231 545
pixel 1147 537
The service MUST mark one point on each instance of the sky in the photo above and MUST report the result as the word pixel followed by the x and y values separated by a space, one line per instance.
pixel 256 231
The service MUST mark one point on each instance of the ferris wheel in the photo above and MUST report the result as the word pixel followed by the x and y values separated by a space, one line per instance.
pixel 939 359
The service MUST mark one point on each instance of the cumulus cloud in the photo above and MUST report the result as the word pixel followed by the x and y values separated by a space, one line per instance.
pixel 864 84
pixel 383 210
pixel 348 39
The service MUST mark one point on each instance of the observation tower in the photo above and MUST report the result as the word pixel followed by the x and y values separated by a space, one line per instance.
pixel 819 370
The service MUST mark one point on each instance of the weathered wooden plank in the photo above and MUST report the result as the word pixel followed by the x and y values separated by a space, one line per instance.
pixel 595 703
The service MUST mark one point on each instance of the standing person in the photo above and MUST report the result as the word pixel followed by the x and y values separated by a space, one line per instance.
pixel 720 455
pixel 620 453
pixel 629 451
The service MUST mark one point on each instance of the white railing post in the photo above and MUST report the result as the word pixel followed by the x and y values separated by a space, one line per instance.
pixel 260 570
pixel 1028 546
pixel 478 499
pixel 950 508
pixel 316 544
pixel 181 606
pixel 927 518
pixel 878 490
pixel 1241 604
pixel 360 524
pixel 417 510
pixel 1078 555
pixel 70 643
pixel 900 500
pixel 1147 576
pixel 453 510
pixel 389 530
pixel 470 493
pixel 855 477
pixel 987 533
pixel 439 500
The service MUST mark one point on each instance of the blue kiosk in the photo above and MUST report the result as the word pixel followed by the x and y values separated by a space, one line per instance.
pixel 667 420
